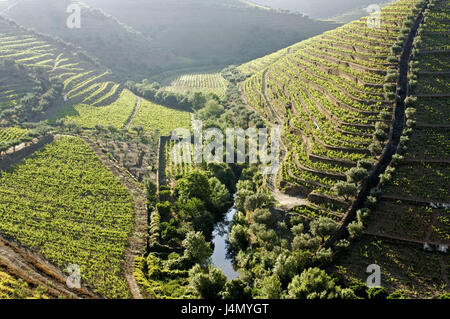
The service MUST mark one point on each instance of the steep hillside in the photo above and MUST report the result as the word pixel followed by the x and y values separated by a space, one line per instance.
pixel 413 211
pixel 340 98
pixel 72 210
pixel 213 32
pixel 318 9
pixel 128 53
pixel 328 95
pixel 83 79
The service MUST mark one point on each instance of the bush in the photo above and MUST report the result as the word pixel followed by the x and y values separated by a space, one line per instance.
pixel 375 148
pixel 377 293
pixel 391 77
pixel 345 189
pixel 396 159
pixel 236 289
pixel 163 208
pixel 397 295
pixel 343 245
pixel 239 239
pixel 411 101
pixel 385 115
pixel 270 287
pixel 313 283
pixel 371 202
pixel 207 283
pixel 356 174
pixel 444 296
pixel 410 113
pixel 359 288
pixel 347 293
pixel 197 250
pixel 366 164
pixel 355 229
pixel 323 227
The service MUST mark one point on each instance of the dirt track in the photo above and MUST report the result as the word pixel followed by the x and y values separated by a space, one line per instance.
pixel 138 239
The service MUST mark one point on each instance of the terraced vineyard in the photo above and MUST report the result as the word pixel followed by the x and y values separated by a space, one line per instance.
pixel 88 116
pixel 202 82
pixel 85 81
pixel 152 116
pixel 12 134
pixel 415 205
pixel 332 94
pixel 63 203
pixel 175 169
pixel 12 287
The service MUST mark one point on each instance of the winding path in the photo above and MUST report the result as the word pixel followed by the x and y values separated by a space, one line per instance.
pixel 286 202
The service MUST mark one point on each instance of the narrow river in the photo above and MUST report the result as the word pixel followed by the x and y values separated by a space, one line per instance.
pixel 219 257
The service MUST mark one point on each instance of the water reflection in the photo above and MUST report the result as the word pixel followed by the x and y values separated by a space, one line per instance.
pixel 219 256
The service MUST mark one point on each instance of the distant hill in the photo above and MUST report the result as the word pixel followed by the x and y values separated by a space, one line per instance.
pixel 125 51
pixel 213 32
pixel 317 9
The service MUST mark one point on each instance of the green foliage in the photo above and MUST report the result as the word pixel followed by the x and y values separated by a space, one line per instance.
pixel 355 229
pixel 207 283
pixel 238 239
pixel 313 283
pixel 236 289
pixel 345 189
pixel 377 293
pixel 197 250
pixel 83 217
pixel 356 174
pixel 270 287
pixel 323 227
pixel 194 184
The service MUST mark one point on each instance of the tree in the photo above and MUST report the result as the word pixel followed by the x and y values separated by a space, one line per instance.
pixel 323 257
pixel 236 289
pixel 212 109
pixel 270 287
pixel 262 216
pixel 345 189
pixel 375 148
pixel 355 229
pixel 313 283
pixel 323 227
pixel 285 267
pixel 151 191
pixel 198 100
pixel 193 210
pixel 207 283
pixel 238 238
pixel 220 196
pixel 366 164
pixel 194 184
pixel 356 174
pixel 305 242
pixel 197 250
pixel 297 229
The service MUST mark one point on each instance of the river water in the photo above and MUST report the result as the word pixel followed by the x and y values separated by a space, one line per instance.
pixel 219 257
